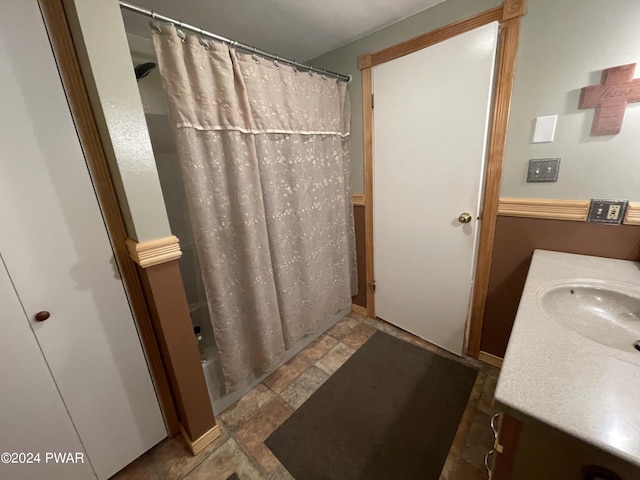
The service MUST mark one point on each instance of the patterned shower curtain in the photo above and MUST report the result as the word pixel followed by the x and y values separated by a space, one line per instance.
pixel 264 157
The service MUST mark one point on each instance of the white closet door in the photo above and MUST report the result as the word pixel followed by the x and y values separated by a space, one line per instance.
pixel 58 254
pixel 33 418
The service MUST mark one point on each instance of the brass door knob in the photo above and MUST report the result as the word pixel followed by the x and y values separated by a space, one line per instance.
pixel 42 316
pixel 464 217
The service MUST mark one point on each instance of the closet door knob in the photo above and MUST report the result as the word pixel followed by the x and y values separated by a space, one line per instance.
pixel 42 316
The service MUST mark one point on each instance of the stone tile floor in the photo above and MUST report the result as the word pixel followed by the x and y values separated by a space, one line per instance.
pixel 246 424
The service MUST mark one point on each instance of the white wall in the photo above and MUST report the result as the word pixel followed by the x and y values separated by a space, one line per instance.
pixel 564 45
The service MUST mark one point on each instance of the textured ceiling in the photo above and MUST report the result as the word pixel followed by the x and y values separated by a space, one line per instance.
pixel 297 29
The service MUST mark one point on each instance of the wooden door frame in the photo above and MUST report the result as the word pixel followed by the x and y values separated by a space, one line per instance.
pixel 508 15
pixel 57 26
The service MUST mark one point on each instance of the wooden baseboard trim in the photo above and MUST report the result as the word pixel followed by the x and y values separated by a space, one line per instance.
pixel 196 446
pixel 575 210
pixel 154 252
pixel 490 359
pixel 633 214
pixel 358 309
pixel 358 199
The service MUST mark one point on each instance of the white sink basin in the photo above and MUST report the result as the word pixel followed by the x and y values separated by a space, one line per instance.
pixel 570 362
pixel 605 312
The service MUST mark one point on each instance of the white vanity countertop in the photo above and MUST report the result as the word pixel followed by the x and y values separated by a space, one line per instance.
pixel 554 375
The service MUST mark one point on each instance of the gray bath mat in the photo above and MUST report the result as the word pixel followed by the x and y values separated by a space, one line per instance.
pixel 390 412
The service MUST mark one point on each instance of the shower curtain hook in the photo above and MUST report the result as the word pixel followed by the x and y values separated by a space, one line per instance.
pixel 203 41
pixel 255 58
pixel 180 33
pixel 154 23
pixel 276 63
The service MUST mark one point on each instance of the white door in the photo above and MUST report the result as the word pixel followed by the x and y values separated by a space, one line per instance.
pixel 431 121
pixel 33 418
pixel 57 252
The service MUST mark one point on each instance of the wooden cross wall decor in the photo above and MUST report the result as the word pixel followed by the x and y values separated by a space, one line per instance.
pixel 610 98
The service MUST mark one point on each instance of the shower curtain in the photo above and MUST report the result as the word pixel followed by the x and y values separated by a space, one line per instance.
pixel 264 157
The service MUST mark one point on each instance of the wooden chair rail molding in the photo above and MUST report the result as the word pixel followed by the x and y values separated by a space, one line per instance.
pixel 574 210
pixel 154 252
pixel 509 15
pixel 358 199
pixel 633 214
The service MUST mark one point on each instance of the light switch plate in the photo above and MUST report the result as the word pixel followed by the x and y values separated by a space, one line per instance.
pixel 543 170
pixel 607 211
pixel 545 129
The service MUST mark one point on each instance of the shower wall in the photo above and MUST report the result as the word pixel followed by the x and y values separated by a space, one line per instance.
pixel 166 156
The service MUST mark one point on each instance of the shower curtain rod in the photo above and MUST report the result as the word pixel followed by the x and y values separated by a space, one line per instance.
pixel 232 43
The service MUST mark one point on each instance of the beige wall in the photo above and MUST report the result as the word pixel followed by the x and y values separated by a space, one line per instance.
pixel 115 93
pixel 345 60
pixel 564 46
pixel 99 34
